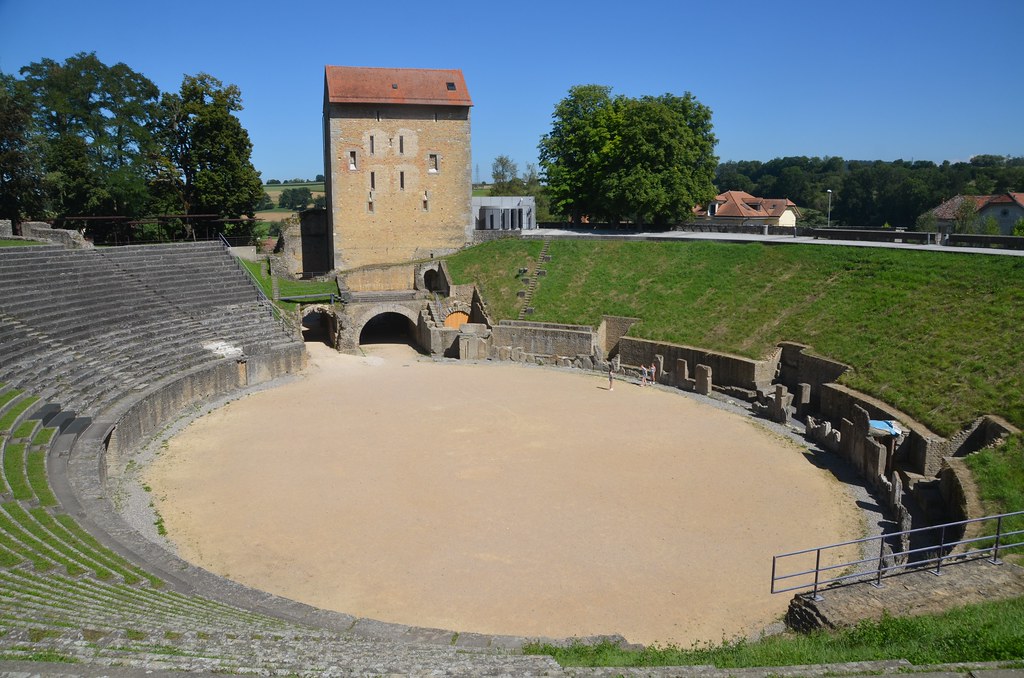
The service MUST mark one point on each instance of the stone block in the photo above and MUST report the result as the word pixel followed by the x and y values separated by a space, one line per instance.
pixel 6 229
pixel 517 354
pixel 504 353
pixel 704 383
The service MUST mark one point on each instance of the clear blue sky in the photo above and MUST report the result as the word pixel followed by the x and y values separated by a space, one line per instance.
pixel 865 79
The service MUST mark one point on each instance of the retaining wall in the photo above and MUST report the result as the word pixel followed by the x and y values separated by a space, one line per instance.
pixel 543 339
pixel 726 370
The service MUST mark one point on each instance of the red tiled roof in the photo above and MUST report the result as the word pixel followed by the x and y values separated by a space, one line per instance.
pixel 947 210
pixel 358 85
pixel 742 204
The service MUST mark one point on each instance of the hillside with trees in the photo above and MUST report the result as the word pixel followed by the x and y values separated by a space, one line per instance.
pixel 870 193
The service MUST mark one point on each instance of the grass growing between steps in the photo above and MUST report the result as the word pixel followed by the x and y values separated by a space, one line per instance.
pixel 979 633
pixel 931 333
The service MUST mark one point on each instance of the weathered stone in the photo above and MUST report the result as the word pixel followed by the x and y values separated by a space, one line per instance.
pixel 6 230
pixel 704 384
pixel 504 353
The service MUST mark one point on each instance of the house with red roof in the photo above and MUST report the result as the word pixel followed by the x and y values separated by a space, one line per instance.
pixel 741 208
pixel 1006 208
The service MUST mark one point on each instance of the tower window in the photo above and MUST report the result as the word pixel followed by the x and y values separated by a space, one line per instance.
pixel 401 144
pixel 352 160
pixel 371 144
pixel 373 180
pixel 432 163
pixel 401 181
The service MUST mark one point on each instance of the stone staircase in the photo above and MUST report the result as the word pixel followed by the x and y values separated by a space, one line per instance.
pixel 533 276
pixel 84 328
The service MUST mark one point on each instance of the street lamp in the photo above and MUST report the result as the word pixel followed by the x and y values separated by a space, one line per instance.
pixel 828 223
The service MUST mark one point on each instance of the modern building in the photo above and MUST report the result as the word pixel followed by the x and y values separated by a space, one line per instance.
pixel 739 207
pixel 505 213
pixel 397 160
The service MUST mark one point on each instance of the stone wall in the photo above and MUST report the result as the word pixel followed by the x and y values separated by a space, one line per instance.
pixel 37 230
pixel 6 230
pixel 144 417
pixel 921 450
pixel 380 278
pixel 727 370
pixel 543 339
pixel 611 329
pixel 796 367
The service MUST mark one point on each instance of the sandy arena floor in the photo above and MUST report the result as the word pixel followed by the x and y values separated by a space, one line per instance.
pixel 497 498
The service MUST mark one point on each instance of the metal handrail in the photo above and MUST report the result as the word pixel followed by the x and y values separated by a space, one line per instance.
pixel 261 297
pixel 943 551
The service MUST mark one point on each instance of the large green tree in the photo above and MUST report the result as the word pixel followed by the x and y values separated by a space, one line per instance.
pixel 20 169
pixel 205 165
pixel 649 160
pixel 110 111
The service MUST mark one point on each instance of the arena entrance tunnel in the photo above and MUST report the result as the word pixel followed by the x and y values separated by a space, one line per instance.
pixel 389 327
pixel 320 325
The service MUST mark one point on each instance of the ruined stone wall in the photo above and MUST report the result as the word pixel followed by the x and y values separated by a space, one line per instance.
pixel 921 450
pixel 37 230
pixel 543 339
pixel 400 182
pixel 611 329
pixel 380 278
pixel 797 366
pixel 727 370
pixel 6 230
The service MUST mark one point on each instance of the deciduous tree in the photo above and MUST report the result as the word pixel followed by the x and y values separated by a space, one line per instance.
pixel 205 166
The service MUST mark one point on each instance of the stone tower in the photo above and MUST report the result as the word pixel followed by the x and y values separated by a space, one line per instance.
pixel 397 160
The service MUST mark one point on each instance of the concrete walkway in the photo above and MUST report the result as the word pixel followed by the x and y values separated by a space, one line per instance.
pixel 677 236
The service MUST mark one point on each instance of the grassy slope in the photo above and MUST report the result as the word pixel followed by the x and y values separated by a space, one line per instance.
pixel 977 633
pixel 930 333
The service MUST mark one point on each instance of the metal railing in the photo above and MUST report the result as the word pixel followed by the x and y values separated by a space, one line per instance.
pixel 936 551
pixel 261 297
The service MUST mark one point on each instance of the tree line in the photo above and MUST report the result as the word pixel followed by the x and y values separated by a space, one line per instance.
pixel 81 138
pixel 871 193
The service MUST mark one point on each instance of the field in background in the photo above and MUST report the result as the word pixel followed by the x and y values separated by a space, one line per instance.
pixel 931 333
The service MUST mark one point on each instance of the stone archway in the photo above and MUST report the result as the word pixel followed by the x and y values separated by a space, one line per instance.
pixel 388 323
pixel 320 324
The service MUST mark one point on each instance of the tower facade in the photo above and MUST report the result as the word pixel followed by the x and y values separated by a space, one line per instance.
pixel 397 164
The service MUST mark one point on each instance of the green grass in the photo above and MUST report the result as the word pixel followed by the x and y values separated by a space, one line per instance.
pixel 14 471
pixel 990 632
pixel 9 417
pixel 35 466
pixel 999 474
pixel 495 270
pixel 8 396
pixel 289 288
pixel 931 333
pixel 4 242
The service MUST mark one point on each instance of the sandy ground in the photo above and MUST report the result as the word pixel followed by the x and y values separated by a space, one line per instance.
pixel 497 498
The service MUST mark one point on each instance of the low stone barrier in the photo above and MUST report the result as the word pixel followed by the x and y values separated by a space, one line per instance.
pixel 728 370
pixel 543 340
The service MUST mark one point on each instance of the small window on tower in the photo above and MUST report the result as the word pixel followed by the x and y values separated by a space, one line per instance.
pixel 371 144
pixel 432 165
pixel 352 160
pixel 373 180
pixel 401 144
pixel 401 181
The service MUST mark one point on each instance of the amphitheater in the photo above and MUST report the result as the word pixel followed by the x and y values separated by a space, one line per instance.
pixel 102 350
